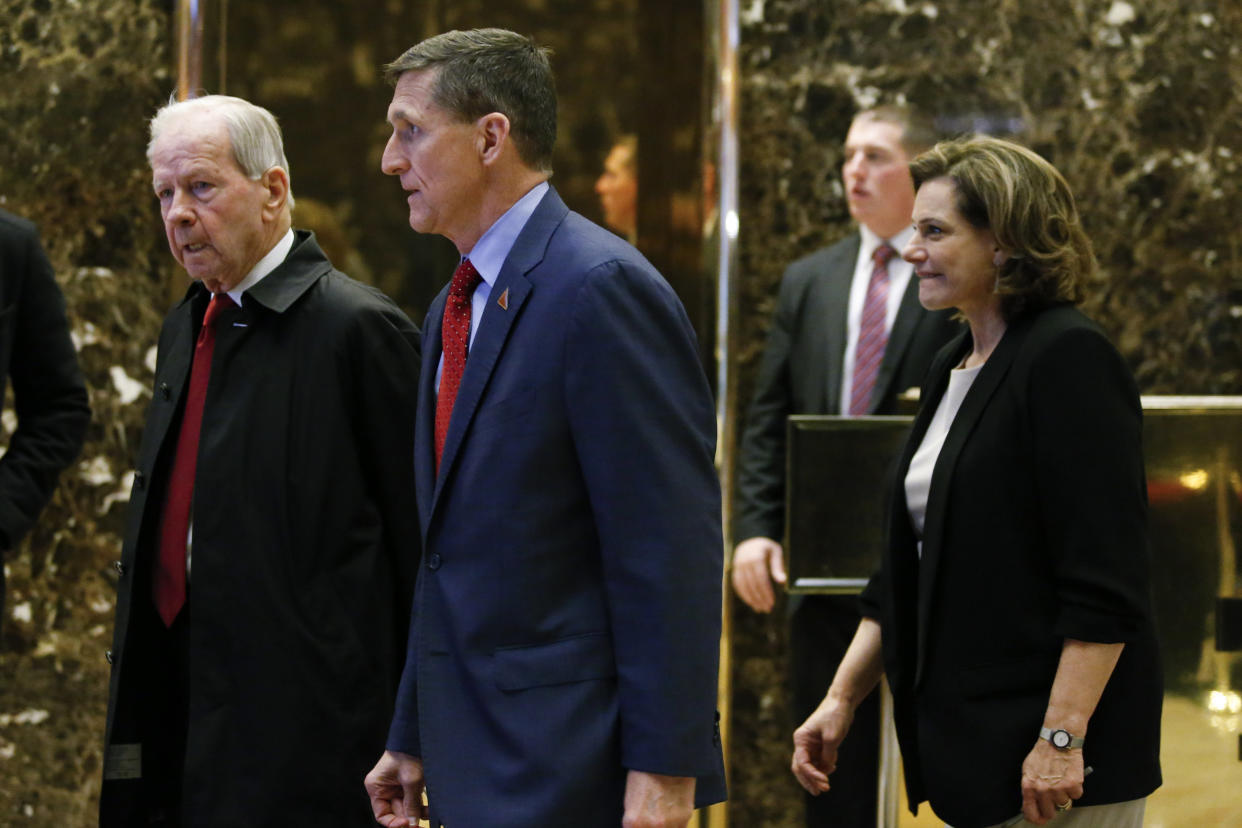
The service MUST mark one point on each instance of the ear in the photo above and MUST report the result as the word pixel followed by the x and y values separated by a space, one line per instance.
pixel 493 136
pixel 276 184
pixel 1000 257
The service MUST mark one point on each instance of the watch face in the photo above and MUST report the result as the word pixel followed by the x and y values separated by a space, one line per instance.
pixel 1060 739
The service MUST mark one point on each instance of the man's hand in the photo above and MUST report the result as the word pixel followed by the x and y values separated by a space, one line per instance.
pixel 753 559
pixel 656 801
pixel 395 786
pixel 816 743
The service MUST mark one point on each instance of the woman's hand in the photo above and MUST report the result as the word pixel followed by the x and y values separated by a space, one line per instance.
pixel 817 740
pixel 1051 781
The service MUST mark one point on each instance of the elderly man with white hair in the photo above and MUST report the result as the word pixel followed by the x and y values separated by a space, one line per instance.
pixel 269 556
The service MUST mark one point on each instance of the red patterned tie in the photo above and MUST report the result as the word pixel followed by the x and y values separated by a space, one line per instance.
pixel 872 333
pixel 168 584
pixel 455 334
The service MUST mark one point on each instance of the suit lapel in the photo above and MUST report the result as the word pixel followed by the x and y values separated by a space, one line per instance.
pixel 831 304
pixel 495 326
pixel 424 421
pixel 899 338
pixel 973 406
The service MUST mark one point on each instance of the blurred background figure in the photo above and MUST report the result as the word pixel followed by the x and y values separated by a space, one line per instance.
pixel 617 187
pixel 37 356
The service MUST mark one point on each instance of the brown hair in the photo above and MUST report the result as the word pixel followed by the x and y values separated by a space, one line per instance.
pixel 1007 189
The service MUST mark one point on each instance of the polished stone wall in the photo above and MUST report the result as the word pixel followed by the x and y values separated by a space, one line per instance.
pixel 79 79
pixel 1138 104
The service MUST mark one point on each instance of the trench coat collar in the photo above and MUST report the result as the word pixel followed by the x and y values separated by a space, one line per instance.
pixel 281 288
pixel 304 265
pixel 512 282
pixel 973 406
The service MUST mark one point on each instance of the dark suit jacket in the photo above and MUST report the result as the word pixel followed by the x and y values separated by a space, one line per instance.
pixel 567 617
pixel 37 356
pixel 1035 532
pixel 305 549
pixel 801 373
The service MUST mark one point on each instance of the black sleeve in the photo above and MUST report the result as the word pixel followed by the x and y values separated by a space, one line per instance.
pixel 49 394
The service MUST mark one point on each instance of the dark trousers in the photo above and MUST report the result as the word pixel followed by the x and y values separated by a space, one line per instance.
pixel 821 629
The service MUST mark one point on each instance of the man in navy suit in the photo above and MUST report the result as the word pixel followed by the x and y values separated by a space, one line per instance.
pixel 563 655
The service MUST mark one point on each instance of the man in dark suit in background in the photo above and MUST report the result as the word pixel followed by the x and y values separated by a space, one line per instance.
pixel 847 337
pixel 37 356
pixel 271 542
pixel 564 644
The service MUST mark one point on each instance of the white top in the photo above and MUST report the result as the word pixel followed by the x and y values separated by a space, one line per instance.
pixel 899 273
pixel 919 475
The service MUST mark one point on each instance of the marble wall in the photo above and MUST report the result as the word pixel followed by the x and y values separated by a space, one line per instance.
pixel 79 79
pixel 1138 104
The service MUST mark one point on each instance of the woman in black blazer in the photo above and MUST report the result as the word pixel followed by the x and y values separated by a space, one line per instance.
pixel 1011 612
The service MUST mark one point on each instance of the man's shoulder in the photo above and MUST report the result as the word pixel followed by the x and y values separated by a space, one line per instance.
pixel 579 248
pixel 833 258
pixel 14 228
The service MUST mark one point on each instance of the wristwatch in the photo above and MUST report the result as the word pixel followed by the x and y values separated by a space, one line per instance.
pixel 1061 739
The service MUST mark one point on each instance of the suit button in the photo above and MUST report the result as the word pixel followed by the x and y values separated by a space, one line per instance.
pixel 433 562
pixel 165 391
pixel 140 480
pixel 119 567
pixel 108 656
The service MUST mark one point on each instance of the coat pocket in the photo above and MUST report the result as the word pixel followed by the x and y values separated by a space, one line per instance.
pixel 580 658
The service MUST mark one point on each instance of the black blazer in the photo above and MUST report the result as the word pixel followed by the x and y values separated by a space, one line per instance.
pixel 37 356
pixel 1035 532
pixel 801 372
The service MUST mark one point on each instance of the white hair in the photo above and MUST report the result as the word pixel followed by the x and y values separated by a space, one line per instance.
pixel 254 135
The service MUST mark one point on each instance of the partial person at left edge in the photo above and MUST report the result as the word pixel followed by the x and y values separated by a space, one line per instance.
pixel 49 397
pixel 271 543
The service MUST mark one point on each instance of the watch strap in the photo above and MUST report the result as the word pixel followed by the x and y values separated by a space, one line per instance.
pixel 1074 741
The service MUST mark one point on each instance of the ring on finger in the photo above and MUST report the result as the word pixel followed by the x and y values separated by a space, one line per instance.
pixel 1066 805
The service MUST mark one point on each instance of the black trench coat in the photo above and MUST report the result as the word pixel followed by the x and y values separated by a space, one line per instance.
pixel 305 545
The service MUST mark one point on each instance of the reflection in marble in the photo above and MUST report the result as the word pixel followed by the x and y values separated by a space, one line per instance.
pixel 1138 104
pixel 80 78
pixel 317 65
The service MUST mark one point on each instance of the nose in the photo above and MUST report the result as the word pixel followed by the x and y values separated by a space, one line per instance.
pixel 600 184
pixel 913 251
pixel 391 162
pixel 179 212
pixel 853 166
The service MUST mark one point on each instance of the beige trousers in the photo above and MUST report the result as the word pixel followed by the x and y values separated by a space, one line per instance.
pixel 1114 815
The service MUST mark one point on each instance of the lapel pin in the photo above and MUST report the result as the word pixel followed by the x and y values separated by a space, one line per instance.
pixel 503 301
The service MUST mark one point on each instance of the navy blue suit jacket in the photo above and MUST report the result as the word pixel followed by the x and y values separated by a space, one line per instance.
pixel 566 620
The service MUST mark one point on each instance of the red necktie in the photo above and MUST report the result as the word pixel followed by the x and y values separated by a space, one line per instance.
pixel 872 333
pixel 455 335
pixel 168 584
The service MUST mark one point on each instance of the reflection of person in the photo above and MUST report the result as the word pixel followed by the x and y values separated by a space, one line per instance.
pixel 810 366
pixel 257 633
pixel 563 649
pixel 617 187
pixel 1012 605
pixel 36 354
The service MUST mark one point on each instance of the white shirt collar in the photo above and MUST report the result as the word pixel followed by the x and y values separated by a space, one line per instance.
pixel 870 241
pixel 490 251
pixel 264 266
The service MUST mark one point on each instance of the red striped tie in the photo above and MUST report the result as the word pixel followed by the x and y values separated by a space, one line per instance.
pixel 455 335
pixel 168 584
pixel 872 333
